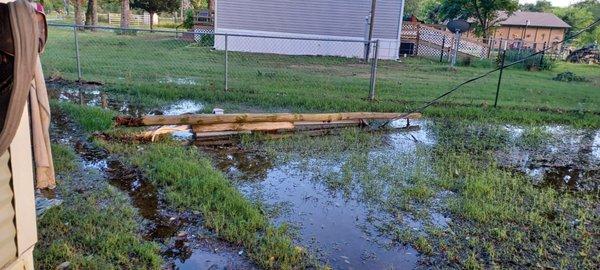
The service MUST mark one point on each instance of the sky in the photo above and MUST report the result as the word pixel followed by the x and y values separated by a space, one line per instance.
pixel 558 3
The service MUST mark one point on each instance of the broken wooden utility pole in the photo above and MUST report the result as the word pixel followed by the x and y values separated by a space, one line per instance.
pixel 206 119
pixel 218 128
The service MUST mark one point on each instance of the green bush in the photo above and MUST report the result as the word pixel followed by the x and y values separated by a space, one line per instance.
pixel 188 23
pixel 475 62
pixel 537 62
pixel 569 76
pixel 207 40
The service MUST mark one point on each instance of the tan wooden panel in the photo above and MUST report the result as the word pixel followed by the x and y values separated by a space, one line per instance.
pixel 22 169
pixel 8 247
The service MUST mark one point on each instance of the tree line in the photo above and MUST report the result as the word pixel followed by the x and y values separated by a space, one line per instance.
pixel 86 11
pixel 485 14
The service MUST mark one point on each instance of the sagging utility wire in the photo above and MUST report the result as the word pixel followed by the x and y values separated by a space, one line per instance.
pixel 455 88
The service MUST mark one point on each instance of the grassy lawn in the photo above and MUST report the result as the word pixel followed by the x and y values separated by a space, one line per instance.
pixel 159 68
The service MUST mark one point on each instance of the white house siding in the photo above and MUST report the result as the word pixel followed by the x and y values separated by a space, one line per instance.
pixel 316 19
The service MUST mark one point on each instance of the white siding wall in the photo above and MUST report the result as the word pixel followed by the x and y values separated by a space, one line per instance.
pixel 330 19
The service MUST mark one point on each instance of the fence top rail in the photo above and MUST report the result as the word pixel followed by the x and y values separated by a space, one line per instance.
pixel 215 34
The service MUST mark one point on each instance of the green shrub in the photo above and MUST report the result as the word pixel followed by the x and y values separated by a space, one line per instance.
pixel 188 23
pixel 537 62
pixel 207 40
pixel 569 76
pixel 475 62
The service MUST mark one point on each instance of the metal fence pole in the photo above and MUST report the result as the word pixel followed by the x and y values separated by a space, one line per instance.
pixel 500 77
pixel 226 65
pixel 442 50
pixel 374 70
pixel 77 53
pixel 542 55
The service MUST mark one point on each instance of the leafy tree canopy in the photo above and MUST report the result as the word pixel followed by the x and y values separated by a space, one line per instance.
pixel 155 6
pixel 483 12
pixel 539 6
pixel 579 17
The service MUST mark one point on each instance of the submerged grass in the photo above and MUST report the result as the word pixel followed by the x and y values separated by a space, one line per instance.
pixel 93 228
pixel 499 219
pixel 509 221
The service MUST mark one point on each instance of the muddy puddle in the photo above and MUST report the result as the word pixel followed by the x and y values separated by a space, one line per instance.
pixel 339 203
pixel 92 94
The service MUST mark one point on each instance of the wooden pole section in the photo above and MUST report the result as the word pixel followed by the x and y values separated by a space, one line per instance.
pixel 206 119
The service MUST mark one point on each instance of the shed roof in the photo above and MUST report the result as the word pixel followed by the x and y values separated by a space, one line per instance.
pixel 541 19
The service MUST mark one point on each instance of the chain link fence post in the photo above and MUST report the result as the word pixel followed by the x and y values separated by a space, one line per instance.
pixel 77 57
pixel 542 55
pixel 442 49
pixel 500 76
pixel 374 70
pixel 226 64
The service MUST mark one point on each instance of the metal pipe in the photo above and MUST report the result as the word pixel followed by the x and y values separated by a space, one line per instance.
pixel 443 47
pixel 79 76
pixel 371 26
pixel 455 55
pixel 500 77
pixel 374 70
pixel 226 64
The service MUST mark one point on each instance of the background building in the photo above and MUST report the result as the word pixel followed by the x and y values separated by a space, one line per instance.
pixel 308 19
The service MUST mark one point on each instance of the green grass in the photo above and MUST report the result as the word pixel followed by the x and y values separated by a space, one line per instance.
pixel 143 64
pixel 94 228
pixel 192 183
pixel 64 159
pixel 91 119
pixel 92 234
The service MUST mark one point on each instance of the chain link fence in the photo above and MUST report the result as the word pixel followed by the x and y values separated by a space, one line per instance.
pixel 208 61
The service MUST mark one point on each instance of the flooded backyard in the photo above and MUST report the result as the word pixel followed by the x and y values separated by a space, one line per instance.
pixel 343 201
pixel 357 200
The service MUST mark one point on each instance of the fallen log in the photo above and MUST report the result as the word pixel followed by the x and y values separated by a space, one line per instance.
pixel 207 119
pixel 261 126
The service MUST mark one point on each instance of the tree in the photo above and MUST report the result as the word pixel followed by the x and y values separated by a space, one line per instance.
pixel 91 14
pixel 539 6
pixel 155 6
pixel 485 13
pixel 426 10
pixel 78 12
pixel 125 14
pixel 578 18
pixel 592 35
